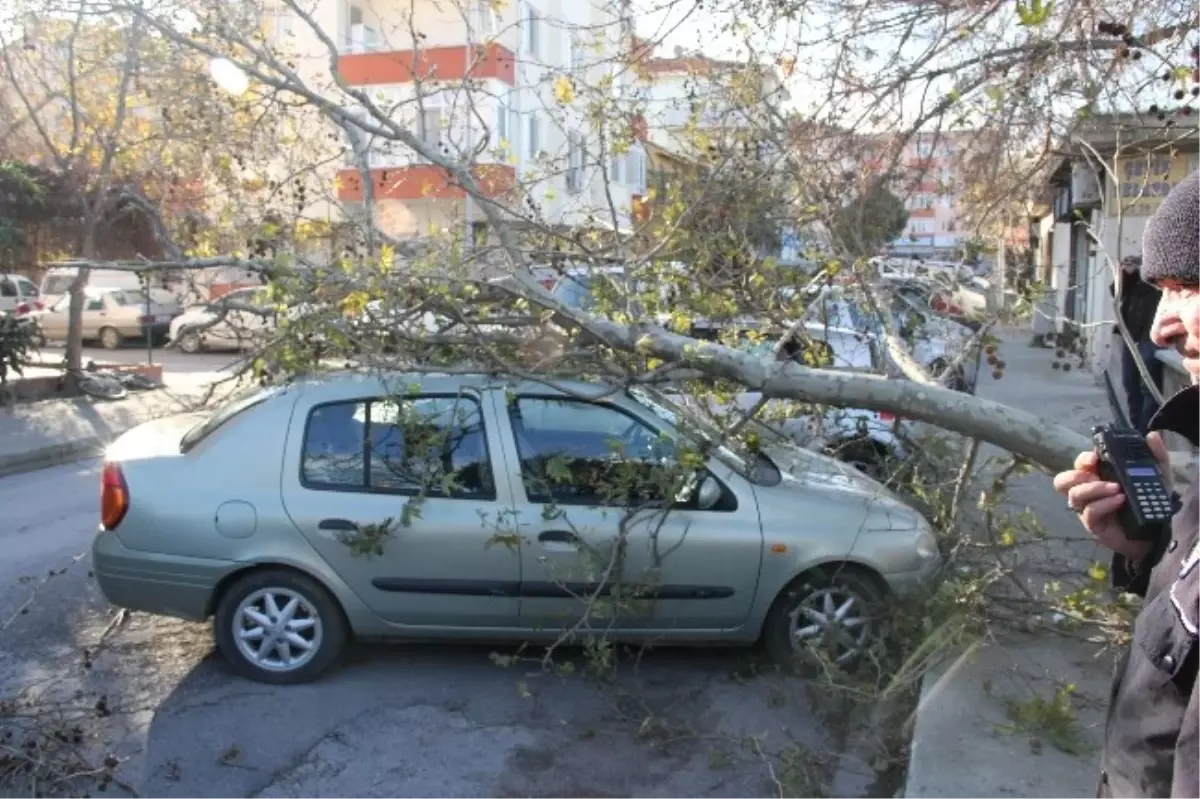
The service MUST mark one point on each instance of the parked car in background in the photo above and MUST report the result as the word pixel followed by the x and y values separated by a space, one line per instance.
pixel 56 282
pixel 871 441
pixel 110 316
pixel 239 320
pixel 936 343
pixel 19 296
pixel 291 537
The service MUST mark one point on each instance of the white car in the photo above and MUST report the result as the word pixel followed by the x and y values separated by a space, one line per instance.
pixel 937 342
pixel 235 321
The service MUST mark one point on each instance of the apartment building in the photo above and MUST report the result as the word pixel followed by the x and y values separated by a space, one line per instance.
pixel 928 180
pixel 686 93
pixel 481 83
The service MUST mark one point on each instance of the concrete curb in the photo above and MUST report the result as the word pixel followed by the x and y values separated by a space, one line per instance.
pixel 53 455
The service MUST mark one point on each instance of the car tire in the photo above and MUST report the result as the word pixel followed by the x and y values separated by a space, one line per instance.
pixel 190 343
pixel 863 454
pixel 317 619
pixel 786 639
pixel 110 338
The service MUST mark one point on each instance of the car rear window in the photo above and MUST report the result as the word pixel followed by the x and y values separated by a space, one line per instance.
pixel 224 414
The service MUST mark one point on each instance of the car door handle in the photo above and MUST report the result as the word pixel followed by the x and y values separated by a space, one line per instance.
pixel 559 539
pixel 342 525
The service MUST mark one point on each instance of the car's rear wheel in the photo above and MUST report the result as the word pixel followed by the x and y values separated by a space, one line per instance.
pixel 280 627
pixel 110 338
pixel 832 612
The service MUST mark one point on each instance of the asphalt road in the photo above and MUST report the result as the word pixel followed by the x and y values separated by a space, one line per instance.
pixel 394 721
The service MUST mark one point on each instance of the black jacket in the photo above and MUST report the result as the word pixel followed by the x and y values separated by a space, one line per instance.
pixel 1151 746
pixel 1139 303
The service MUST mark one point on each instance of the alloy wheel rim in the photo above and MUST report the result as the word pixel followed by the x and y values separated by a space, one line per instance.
pixel 277 629
pixel 834 619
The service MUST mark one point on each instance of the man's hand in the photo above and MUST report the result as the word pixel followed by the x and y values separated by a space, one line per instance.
pixel 1097 501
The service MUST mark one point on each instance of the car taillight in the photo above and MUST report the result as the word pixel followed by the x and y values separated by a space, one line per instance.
pixel 887 416
pixel 548 283
pixel 954 310
pixel 39 305
pixel 22 308
pixel 146 319
pixel 114 496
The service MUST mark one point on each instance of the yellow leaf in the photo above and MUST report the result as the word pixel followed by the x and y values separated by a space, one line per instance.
pixel 1098 572
pixel 564 90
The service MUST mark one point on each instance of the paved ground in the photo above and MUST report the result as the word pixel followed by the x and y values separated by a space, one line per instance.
pixel 172 360
pixel 964 741
pixel 402 721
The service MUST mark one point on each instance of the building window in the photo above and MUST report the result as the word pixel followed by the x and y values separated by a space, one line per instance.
pixel 484 22
pixel 361 37
pixel 614 169
pixel 921 226
pixel 430 128
pixel 535 135
pixel 280 23
pixel 531 30
pixel 636 169
pixel 921 202
pixel 575 159
pixel 479 234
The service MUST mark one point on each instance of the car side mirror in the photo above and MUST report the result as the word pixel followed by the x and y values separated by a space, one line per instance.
pixel 709 493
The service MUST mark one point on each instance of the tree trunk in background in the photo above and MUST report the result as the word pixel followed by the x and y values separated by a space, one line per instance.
pixel 74 355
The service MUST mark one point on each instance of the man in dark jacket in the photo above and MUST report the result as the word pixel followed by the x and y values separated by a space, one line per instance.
pixel 1138 305
pixel 1151 746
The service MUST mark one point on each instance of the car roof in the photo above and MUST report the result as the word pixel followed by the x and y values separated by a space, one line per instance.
pixel 345 385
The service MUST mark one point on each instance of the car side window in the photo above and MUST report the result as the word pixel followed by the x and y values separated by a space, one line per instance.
pixel 58 284
pixel 582 453
pixel 27 288
pixel 8 288
pixel 427 446
pixel 93 304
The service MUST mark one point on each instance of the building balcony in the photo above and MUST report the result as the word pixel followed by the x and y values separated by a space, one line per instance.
pixel 423 182
pixel 922 213
pixel 434 63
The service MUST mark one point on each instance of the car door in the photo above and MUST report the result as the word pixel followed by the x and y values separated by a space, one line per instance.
pixel 426 469
pixel 587 558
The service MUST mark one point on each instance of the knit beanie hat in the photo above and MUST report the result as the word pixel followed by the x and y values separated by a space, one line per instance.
pixel 1171 243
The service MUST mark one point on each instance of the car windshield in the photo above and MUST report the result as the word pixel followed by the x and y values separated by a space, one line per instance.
pixel 690 423
pixel 238 404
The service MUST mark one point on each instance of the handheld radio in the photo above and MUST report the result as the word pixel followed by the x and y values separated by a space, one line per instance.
pixel 1126 459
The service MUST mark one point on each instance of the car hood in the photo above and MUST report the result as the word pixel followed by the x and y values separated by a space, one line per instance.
pixel 807 472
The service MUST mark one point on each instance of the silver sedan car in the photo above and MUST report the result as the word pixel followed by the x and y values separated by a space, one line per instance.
pixel 433 506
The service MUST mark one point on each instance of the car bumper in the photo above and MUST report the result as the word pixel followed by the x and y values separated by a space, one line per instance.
pixel 167 585
pixel 908 583
pixel 156 330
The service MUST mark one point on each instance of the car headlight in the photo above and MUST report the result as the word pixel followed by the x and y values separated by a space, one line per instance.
pixel 927 545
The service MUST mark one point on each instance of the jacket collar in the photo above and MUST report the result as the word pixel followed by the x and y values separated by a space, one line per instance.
pixel 1180 414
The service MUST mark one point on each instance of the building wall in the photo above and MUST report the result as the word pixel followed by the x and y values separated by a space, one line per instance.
pixel 406 48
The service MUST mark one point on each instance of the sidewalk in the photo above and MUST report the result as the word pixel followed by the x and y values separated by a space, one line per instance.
pixel 963 740
pixel 36 435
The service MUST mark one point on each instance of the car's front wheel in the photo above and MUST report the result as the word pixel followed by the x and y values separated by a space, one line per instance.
pixel 190 343
pixel 280 627
pixel 832 612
